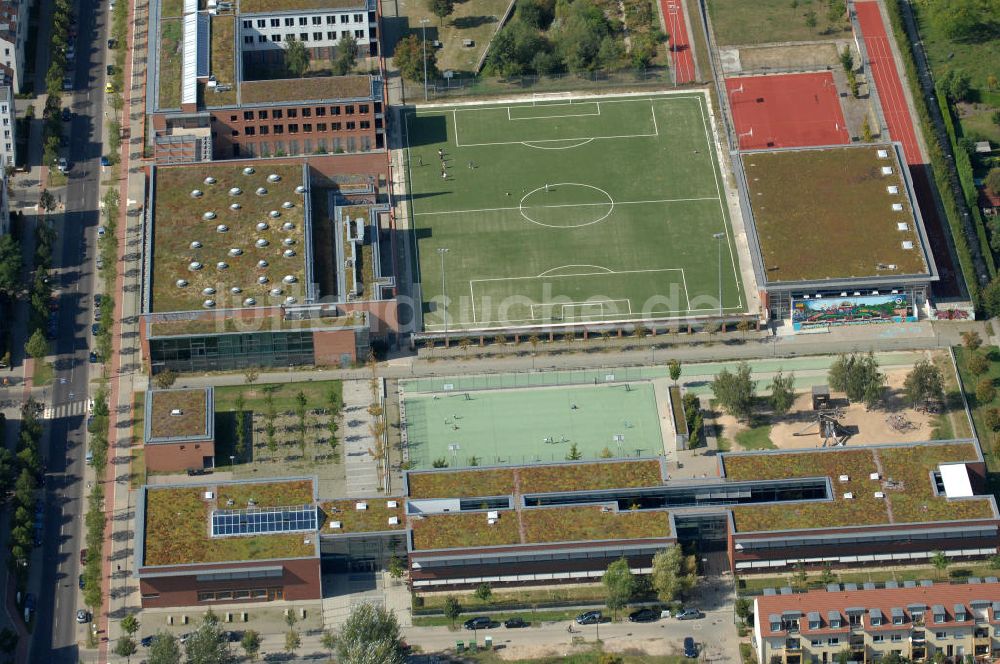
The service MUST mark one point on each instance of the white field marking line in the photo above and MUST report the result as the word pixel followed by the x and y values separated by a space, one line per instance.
pixel 635 316
pixel 557 140
pixel 483 106
pixel 528 144
pixel 454 120
pixel 626 300
pixel 599 267
pixel 722 208
pixel 553 117
pixel 687 296
pixel 604 96
pixel 566 205
pixel 582 274
pixel 472 298
pixel 584 303
pixel 652 111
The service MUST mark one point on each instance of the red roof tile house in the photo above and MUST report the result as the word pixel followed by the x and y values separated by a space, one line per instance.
pixel 915 621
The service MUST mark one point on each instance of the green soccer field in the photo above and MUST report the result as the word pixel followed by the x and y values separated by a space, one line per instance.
pixel 569 210
pixel 534 424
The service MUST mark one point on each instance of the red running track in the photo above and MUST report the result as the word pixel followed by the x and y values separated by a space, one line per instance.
pixel 680 44
pixel 890 88
pixel 787 111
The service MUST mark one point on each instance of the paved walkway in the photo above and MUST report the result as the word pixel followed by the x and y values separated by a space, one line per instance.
pixel 359 465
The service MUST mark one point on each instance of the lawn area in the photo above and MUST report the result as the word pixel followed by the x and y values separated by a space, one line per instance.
pixel 756 438
pixel 754 585
pixel 954 422
pixel 987 437
pixel 474 19
pixel 44 373
pixel 223 61
pixel 57 179
pixel 284 394
pixel 171 61
pixel 767 21
pixel 582 209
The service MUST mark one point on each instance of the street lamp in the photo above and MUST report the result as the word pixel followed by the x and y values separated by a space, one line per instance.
pixel 719 237
pixel 423 25
pixel 444 296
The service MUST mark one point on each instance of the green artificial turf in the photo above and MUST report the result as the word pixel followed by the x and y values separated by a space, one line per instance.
pixel 569 211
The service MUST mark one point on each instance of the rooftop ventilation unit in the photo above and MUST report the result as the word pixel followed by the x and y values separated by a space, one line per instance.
pixel 235 251
pixel 879 494
pixel 208 216
pixel 262 263
pixel 274 214
pixel 262 279
pixel 288 241
pixel 222 228
pixel 182 283
pixel 261 191
pixel 209 495
pixel 208 304
pixel 235 191
pixel 197 193
pixel 234 206
pixel 274 177
pixel 874 476
pixel 848 496
pixel 289 279
pixel 222 265
pixel 361 507
pixel 887 170
pixel 393 520
pixel 261 243
pixel 208 291
pixel 194 266
pixel 844 478
pixel 892 189
pixel 235 290
pixel 290 300
pixel 897 207
pixel 249 302
pixel 301 189
pixel 249 170
pixel 288 253
pixel 883 154
pixel 288 226
pixel 288 205
pixel 335 525
pixel 195 244
pixel 176 411
pixel 262 226
pixel 210 180
pixel 391 504
pixel 275 292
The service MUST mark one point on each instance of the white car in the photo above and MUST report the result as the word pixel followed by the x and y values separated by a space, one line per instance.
pixel 101 231
pixel 62 165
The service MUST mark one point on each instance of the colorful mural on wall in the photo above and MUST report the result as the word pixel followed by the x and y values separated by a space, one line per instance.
pixel 894 308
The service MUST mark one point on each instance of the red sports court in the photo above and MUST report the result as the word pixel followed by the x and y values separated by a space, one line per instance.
pixel 786 111
pixel 680 45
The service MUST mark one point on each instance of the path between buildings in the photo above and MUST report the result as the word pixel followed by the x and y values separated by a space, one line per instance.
pixel 359 465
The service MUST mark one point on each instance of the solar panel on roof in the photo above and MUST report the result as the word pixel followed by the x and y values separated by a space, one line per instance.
pixel 265 521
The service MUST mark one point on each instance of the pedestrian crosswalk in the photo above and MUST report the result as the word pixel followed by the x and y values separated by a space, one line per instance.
pixel 69 409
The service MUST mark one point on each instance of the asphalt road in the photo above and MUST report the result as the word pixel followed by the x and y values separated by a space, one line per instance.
pixel 56 634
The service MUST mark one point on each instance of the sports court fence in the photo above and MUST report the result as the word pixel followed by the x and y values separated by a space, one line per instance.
pixel 463 86
pixel 522 380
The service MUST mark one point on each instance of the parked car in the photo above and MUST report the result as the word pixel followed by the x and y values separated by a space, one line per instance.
pixel 589 618
pixel 83 556
pixel 101 232
pixel 83 583
pixel 93 357
pixel 183 638
pixel 690 614
pixel 110 69
pixel 147 641
pixel 67 83
pixel 63 165
pixel 105 160
pixel 690 649
pixel 90 423
pixel 98 299
pixel 66 115
pixel 112 43
pixel 644 615
pixel 89 458
pixel 95 329
pixel 233 636
pixel 479 622
pixel 108 88
pixel 514 623
pixel 100 263
pixel 82 616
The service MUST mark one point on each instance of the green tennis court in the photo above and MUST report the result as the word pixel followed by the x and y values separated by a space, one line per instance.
pixel 569 210
pixel 530 425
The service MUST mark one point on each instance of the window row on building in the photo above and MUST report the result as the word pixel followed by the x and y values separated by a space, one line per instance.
pixel 306 112
pixel 302 21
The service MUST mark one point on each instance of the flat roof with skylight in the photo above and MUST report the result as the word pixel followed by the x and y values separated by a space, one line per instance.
pixel 178 415
pixel 228 236
pixel 837 215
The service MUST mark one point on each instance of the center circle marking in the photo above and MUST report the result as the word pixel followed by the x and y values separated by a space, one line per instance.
pixel 610 203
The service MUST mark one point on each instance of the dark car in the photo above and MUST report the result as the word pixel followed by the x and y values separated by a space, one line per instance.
pixel 147 641
pixel 90 423
pixel 690 614
pixel 83 616
pixel 690 649
pixel 83 556
pixel 110 69
pixel 95 329
pixel 93 357
pixel 513 623
pixel 105 160
pixel 83 583
pixel 112 43
pixel 233 636
pixel 644 615
pixel 98 299
pixel 29 602
pixel 589 618
pixel 67 115
pixel 479 622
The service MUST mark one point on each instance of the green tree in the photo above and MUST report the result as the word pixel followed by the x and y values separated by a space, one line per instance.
pixel 165 379
pixel 452 609
pixel 735 391
pixel 10 265
pixel 578 33
pixel 972 341
pixel 47 201
pixel 251 644
pixel 126 648
pixel 441 8
pixel 674 367
pixel 672 574
pixel 164 649
pixel 866 131
pixel 329 642
pixel 371 634
pixel 300 411
pixel 37 347
pixel 250 375
pixel 991 418
pixel 957 85
pixel 992 180
pixel 241 427
pixel 207 644
pixel 968 21
pixel 940 561
pixel 811 19
pixel 619 585
pixel 990 297
pixel 847 59
pixel 985 391
pixel 574 453
pixel 484 593
pixel 857 376
pixel 782 392
pixel 130 624
pixel 743 608
pixel 292 641
pixel 923 383
pixel 396 567
pixel 408 57
pixel 978 364
pixel 296 58
pixel 345 55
